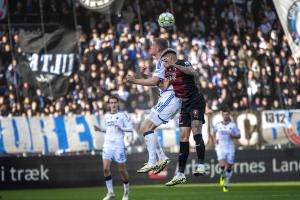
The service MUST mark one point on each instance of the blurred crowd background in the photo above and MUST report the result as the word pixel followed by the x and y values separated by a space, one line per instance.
pixel 237 47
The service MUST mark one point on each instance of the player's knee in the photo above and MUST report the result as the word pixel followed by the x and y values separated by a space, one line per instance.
pixel 184 138
pixel 106 171
pixel 147 126
pixel 123 171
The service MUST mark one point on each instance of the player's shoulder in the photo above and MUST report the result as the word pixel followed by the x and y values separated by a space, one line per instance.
pixel 159 64
pixel 185 63
pixel 123 115
pixel 217 124
pixel 232 123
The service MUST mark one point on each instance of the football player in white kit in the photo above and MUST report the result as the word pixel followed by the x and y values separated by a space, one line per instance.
pixel 116 123
pixel 224 134
pixel 165 109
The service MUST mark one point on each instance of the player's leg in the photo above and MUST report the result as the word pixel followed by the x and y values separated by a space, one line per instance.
pixel 107 176
pixel 200 147
pixel 182 158
pixel 185 129
pixel 228 170
pixel 197 117
pixel 147 128
pixel 159 151
pixel 166 114
pixel 125 178
pixel 222 173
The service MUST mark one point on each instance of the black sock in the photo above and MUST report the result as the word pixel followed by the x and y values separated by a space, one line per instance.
pixel 107 178
pixel 183 155
pixel 200 147
pixel 222 170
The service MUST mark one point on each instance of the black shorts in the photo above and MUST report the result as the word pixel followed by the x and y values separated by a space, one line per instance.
pixel 192 109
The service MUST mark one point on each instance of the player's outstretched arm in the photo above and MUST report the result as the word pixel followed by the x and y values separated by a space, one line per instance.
pixel 152 81
pixel 96 128
pixel 187 70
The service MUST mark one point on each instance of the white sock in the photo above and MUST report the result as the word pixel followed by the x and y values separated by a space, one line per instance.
pixel 151 143
pixel 179 173
pixel 159 151
pixel 126 187
pixel 227 178
pixel 109 184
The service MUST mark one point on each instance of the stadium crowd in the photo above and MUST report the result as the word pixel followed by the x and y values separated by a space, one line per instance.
pixel 239 50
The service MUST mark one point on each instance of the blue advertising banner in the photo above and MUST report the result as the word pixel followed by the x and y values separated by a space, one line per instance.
pixel 56 135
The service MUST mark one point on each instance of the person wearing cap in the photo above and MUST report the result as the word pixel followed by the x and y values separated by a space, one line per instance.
pixel 180 75
pixel 165 109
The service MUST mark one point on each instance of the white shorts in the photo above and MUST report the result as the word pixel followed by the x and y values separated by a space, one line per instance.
pixel 228 156
pixel 165 109
pixel 114 153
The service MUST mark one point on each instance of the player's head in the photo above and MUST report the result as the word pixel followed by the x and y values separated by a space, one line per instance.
pixel 225 114
pixel 169 57
pixel 157 46
pixel 113 103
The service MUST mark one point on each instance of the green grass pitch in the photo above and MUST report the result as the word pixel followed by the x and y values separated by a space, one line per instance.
pixel 243 191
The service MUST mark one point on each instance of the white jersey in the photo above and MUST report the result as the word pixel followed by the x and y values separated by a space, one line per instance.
pixel 223 132
pixel 159 72
pixel 115 135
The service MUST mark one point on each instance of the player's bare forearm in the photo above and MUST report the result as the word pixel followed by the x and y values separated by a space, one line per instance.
pixel 153 81
pixel 97 129
pixel 235 136
pixel 187 70
pixel 146 82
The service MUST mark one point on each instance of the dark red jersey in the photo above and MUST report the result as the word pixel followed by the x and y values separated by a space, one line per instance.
pixel 183 84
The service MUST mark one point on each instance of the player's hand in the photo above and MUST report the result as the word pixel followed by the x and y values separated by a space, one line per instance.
pixel 130 78
pixel 96 128
pixel 118 126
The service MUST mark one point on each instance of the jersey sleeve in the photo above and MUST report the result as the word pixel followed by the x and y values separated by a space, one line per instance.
pixel 126 125
pixel 184 63
pixel 187 64
pixel 215 128
pixel 235 129
pixel 159 70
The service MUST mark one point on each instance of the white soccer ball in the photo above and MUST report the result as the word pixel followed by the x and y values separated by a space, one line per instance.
pixel 166 20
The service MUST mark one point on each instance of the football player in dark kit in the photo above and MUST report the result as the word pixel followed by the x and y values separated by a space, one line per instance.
pixel 180 74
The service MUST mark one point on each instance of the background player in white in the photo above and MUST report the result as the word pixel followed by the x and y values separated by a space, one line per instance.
pixel 116 123
pixel 165 109
pixel 224 134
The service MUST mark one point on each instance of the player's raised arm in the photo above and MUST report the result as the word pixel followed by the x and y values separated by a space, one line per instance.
pixel 125 124
pixel 189 70
pixel 152 81
pixel 235 134
pixel 98 129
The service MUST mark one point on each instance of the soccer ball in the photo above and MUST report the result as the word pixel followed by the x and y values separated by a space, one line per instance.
pixel 166 20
